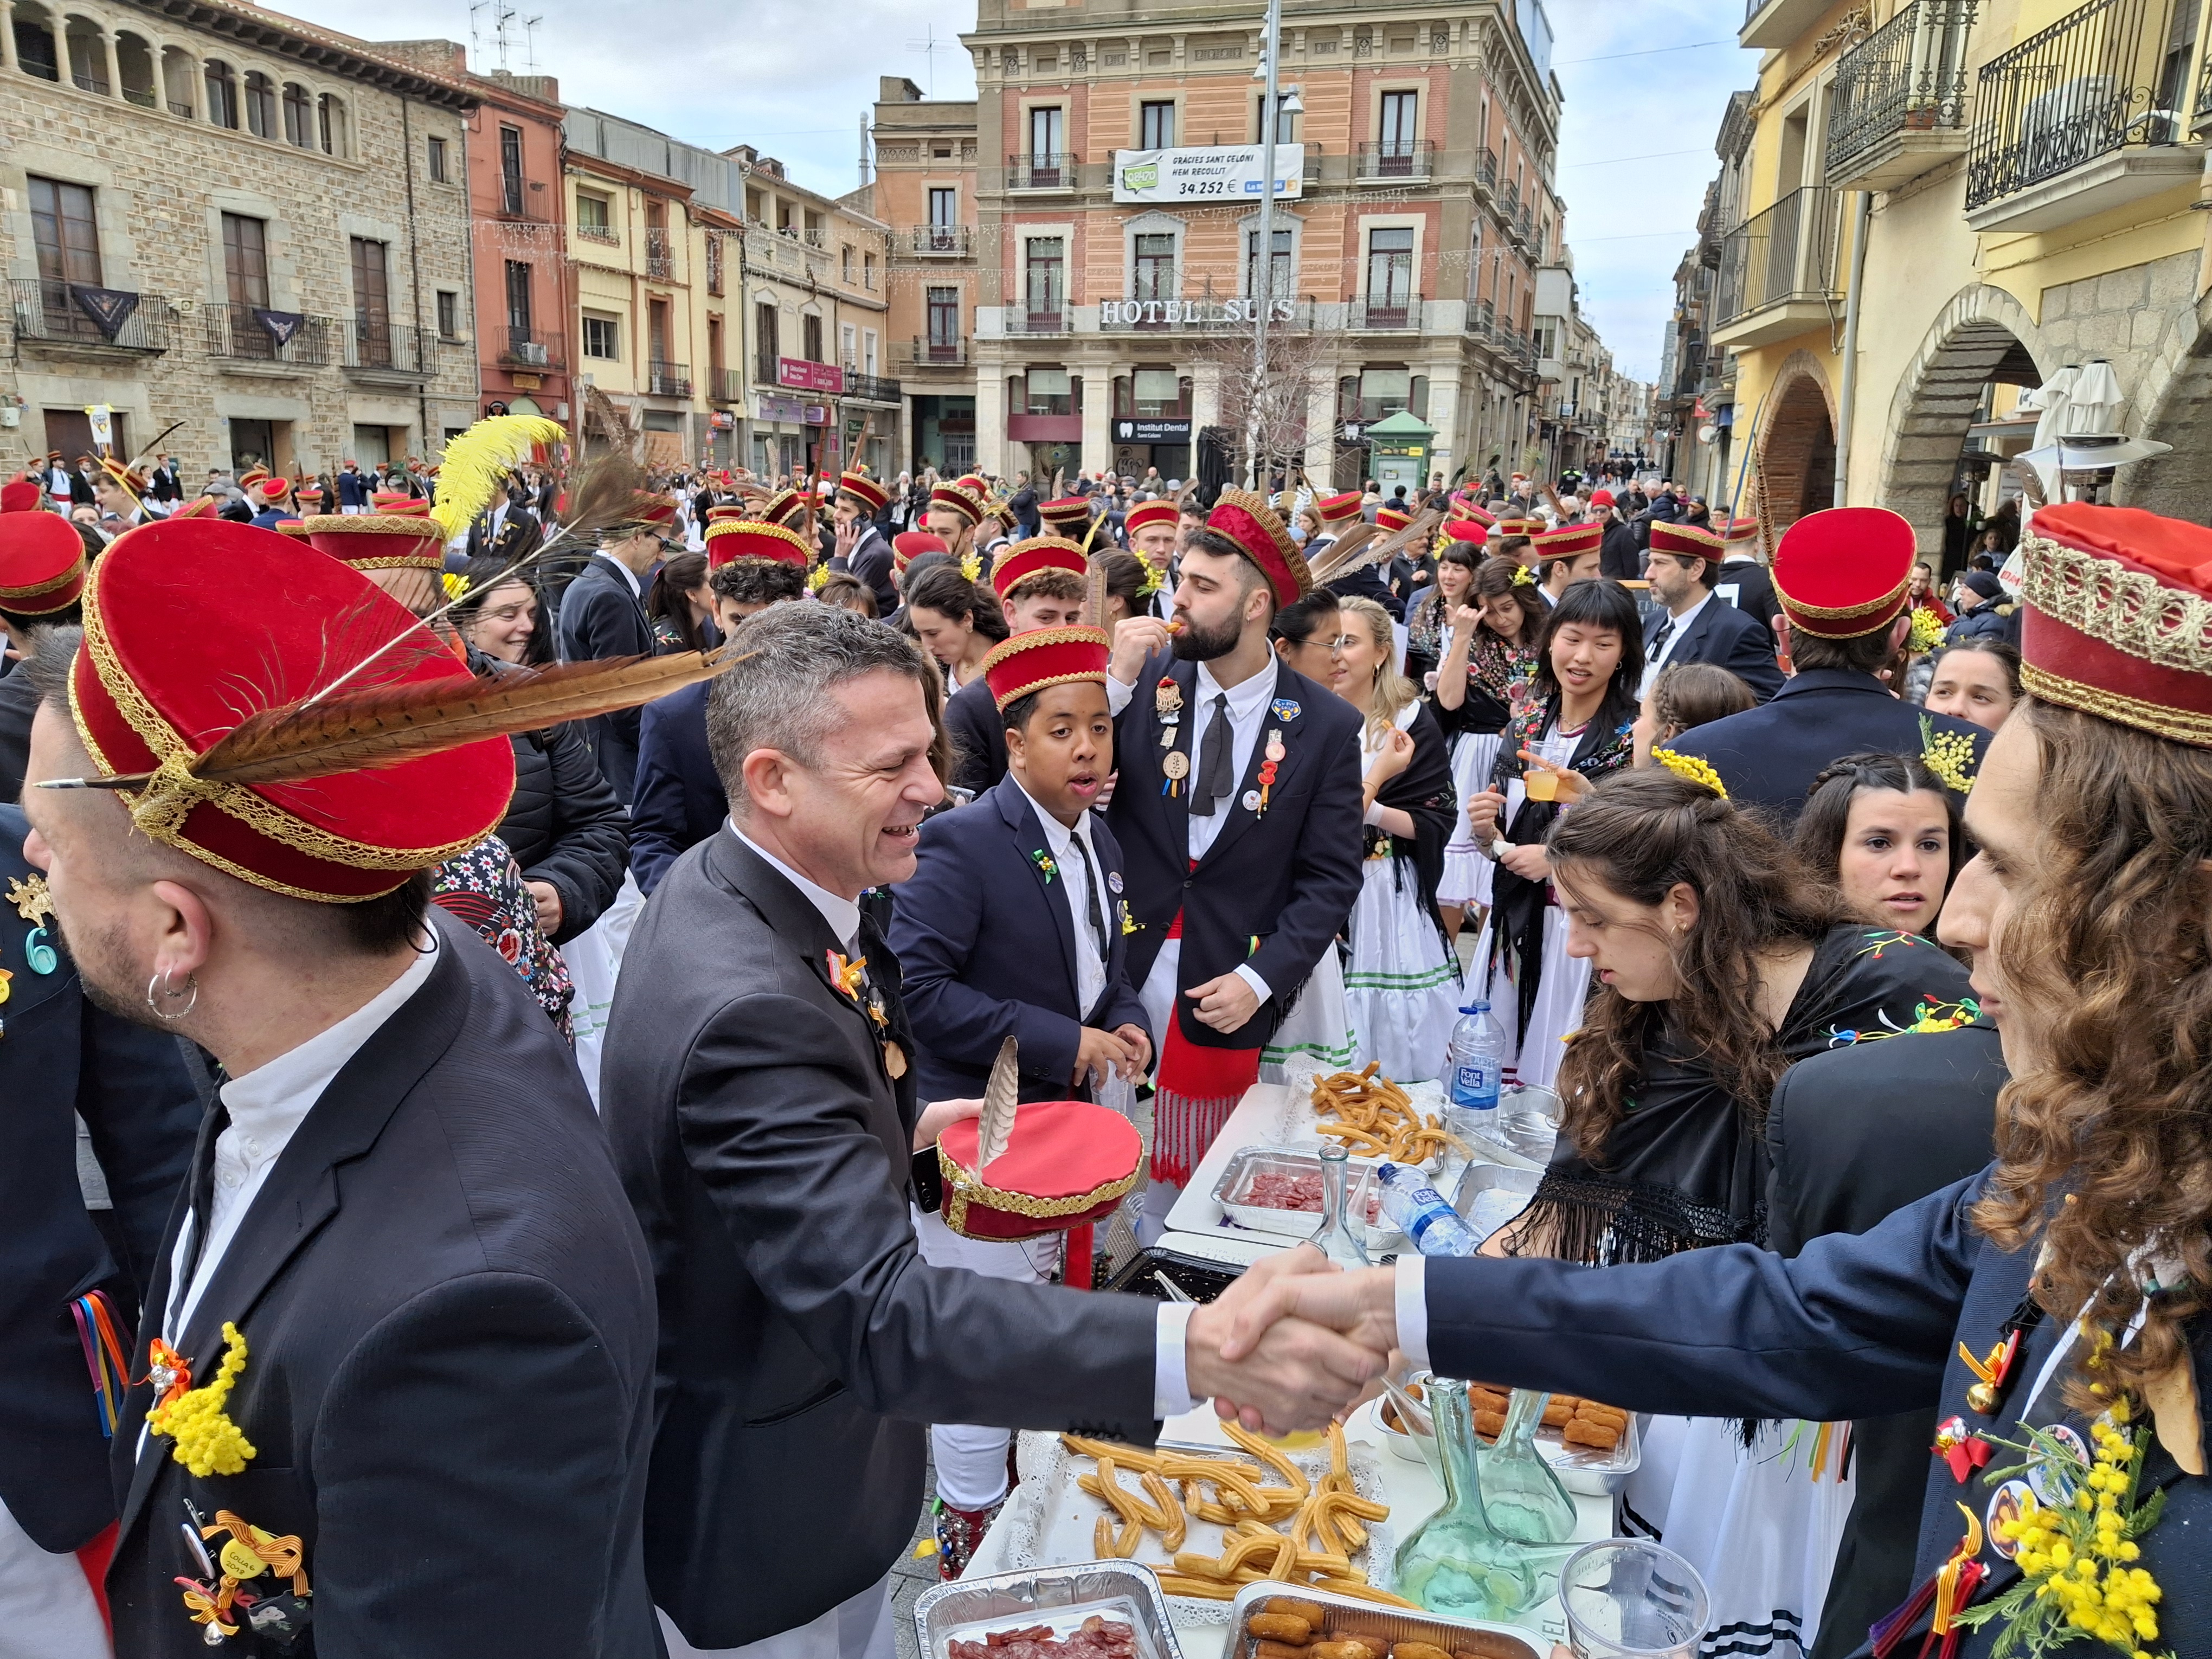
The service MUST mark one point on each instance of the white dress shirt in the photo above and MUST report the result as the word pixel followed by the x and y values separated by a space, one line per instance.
pixel 1657 659
pixel 630 576
pixel 1074 883
pixel 1170 1377
pixel 267 1106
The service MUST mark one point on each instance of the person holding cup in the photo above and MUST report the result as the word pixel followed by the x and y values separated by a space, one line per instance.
pixel 1578 718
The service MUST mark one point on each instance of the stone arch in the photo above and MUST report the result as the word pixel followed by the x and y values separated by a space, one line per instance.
pixel 1937 398
pixel 2174 405
pixel 1798 441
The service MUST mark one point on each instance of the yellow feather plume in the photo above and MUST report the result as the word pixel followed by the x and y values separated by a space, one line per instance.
pixel 475 466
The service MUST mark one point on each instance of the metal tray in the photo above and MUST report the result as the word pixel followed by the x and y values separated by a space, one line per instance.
pixel 1478 1180
pixel 1200 1281
pixel 1247 1163
pixel 969 1608
pixel 1583 1470
pixel 1351 1617
pixel 1523 1131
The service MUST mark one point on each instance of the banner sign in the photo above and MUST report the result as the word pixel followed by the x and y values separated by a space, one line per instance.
pixel 108 307
pixel 279 325
pixel 1230 173
pixel 807 375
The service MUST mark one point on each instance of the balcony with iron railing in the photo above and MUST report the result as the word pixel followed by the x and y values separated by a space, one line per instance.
pixel 725 386
pixel 375 346
pixel 931 354
pixel 1043 170
pixel 940 242
pixel 1486 169
pixel 667 380
pixel 1777 275
pixel 520 198
pixel 238 334
pixel 1898 108
pixel 1026 320
pixel 870 388
pixel 1775 23
pixel 1395 160
pixel 659 256
pixel 79 318
pixel 1389 314
pixel 605 235
pixel 529 348
pixel 2078 118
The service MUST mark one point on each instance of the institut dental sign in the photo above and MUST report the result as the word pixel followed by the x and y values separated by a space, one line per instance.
pixel 1191 314
pixel 1230 173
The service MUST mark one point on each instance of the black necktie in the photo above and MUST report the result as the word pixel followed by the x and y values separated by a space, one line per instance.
pixel 1214 778
pixel 201 1186
pixel 1659 640
pixel 1090 895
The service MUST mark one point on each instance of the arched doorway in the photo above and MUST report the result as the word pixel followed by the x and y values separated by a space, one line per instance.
pixel 1983 336
pixel 1797 444
pixel 2178 411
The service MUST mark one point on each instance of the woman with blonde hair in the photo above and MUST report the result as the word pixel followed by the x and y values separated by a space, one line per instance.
pixel 1400 986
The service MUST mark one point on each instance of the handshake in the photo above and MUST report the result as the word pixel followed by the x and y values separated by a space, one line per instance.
pixel 1292 1342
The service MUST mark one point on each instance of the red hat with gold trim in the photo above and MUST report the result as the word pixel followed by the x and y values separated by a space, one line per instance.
pixel 749 538
pixel 787 508
pixel 1046 656
pixel 1251 524
pixel 1569 541
pixel 651 509
pixel 1466 530
pixel 1161 511
pixel 1524 527
pixel 145 701
pixel 1688 540
pixel 1473 514
pixel 1844 571
pixel 863 489
pixel 2119 621
pixel 1339 509
pixel 728 510
pixel 1737 532
pixel 958 498
pixel 20 495
pixel 252 477
pixel 1069 516
pixel 911 544
pixel 1392 517
pixel 399 503
pixel 308 496
pixel 41 564
pixel 400 535
pixel 276 487
pixel 1025 559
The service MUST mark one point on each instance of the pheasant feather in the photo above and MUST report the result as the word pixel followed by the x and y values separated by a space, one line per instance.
pixel 995 1130
pixel 1340 560
pixel 476 464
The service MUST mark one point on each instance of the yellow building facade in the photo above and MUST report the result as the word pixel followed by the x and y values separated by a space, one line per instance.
pixel 1943 203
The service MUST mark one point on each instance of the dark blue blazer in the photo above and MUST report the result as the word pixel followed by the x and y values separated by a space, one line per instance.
pixel 968 928
pixel 679 801
pixel 1721 635
pixel 62 1058
pixel 979 736
pixel 872 563
pixel 600 617
pixel 1770 755
pixel 1276 887
pixel 1856 1326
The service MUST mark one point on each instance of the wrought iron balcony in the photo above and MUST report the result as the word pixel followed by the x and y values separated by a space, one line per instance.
pixel 933 354
pixel 1029 320
pixel 534 348
pixel 1781 261
pixel 1485 168
pixel 1044 171
pixel 1899 103
pixel 726 386
pixel 1386 315
pixel 665 380
pixel 378 345
pixel 518 198
pixel 1395 159
pixel 659 256
pixel 80 315
pixel 944 241
pixel 870 388
pixel 257 334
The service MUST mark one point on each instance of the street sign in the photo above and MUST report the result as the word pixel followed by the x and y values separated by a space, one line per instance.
pixel 1142 431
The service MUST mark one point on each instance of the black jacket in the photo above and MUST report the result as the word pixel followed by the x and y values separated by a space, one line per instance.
pixel 565 826
pixel 1620 558
pixel 449 1327
pixel 601 617
pixel 63 1060
pixel 680 801
pixel 1725 638
pixel 979 736
pixel 803 1343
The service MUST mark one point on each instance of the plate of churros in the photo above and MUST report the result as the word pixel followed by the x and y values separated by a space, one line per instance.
pixel 1209 1523
pixel 1378 1121
pixel 1278 1621
pixel 1592 1447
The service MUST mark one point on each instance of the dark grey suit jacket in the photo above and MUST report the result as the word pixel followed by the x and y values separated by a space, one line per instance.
pixel 804 1342
pixel 601 617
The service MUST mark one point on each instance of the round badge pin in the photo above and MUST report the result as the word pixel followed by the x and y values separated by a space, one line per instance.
pixel 1251 800
pixel 2009 1500
pixel 1113 881
pixel 1176 765
pixel 1276 751
pixel 2054 1485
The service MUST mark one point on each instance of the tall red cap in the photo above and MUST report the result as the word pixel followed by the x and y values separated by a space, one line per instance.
pixel 1046 656
pixel 1569 541
pixel 749 538
pixel 959 499
pixel 1690 540
pixel 1070 515
pixel 20 496
pixel 378 541
pixel 41 563
pixel 909 545
pixel 863 489
pixel 1025 559
pixel 1466 530
pixel 1338 509
pixel 1144 512
pixel 1248 521
pixel 1844 571
pixel 1392 517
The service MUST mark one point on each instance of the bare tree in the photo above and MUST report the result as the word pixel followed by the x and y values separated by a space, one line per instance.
pixel 1269 412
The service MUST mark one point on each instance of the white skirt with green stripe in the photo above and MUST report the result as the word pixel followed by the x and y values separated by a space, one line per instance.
pixel 1401 987
pixel 1315 1035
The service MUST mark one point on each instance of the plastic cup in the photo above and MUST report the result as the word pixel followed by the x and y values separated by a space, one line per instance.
pixel 1541 784
pixel 1626 1598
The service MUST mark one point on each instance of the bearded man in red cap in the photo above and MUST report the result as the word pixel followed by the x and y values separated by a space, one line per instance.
pixel 392 1382
pixel 1238 808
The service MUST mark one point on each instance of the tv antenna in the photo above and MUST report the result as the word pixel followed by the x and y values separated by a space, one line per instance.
pixel 505 22
pixel 929 46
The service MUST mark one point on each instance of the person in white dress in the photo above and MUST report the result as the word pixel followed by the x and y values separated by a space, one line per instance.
pixel 1485 676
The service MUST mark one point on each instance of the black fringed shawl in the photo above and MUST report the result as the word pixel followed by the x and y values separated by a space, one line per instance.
pixel 1423 792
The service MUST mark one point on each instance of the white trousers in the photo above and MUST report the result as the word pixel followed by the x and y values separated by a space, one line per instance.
pixel 971 1457
pixel 859 1628
pixel 47 1609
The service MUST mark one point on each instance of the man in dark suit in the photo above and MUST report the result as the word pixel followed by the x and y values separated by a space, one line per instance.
pixel 353 489
pixel 761 1097
pixel 1744 582
pixel 1689 625
pixel 1853 1135
pixel 680 801
pixel 860 542
pixel 508 531
pixel 71 1252
pixel 1842 576
pixel 603 615
pixel 1040 584
pixel 397 1350
pixel 1029 862
pixel 1242 830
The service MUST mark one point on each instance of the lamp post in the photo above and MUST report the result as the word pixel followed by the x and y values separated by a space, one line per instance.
pixel 1263 263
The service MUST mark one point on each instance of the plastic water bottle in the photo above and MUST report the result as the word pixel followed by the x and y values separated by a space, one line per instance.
pixel 1422 1214
pixel 1474 1060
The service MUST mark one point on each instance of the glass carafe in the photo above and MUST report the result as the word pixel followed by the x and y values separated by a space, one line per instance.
pixel 1339 1237
pixel 1521 1494
pixel 1457 1564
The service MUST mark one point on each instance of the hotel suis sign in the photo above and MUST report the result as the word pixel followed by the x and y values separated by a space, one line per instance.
pixel 1191 314
pixel 1230 173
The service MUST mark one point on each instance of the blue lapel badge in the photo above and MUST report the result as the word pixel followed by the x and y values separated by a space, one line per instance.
pixel 1285 709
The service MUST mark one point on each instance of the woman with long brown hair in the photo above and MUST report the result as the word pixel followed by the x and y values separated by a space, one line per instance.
pixel 1485 676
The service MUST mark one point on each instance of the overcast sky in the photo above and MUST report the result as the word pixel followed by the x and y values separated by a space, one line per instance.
pixel 1645 84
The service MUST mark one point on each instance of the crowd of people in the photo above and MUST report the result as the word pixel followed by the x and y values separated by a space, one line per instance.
pixel 603 1293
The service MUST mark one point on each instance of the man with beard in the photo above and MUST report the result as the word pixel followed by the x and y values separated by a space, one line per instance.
pixel 1237 808
pixel 391 1389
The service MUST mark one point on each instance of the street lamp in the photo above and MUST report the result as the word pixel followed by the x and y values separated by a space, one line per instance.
pixel 1264 261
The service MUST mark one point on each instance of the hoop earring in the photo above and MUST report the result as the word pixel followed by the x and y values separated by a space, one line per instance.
pixel 160 983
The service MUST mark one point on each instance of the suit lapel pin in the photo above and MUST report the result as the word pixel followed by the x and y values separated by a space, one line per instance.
pixel 1113 881
pixel 1284 709
pixel 1045 866
pixel 1174 767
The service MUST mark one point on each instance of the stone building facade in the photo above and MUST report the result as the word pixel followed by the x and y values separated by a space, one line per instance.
pixel 221 218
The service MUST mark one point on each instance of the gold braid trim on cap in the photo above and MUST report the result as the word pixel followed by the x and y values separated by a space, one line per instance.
pixel 962 1188
pixel 1846 612
pixel 373 524
pixel 42 590
pixel 161 808
pixel 2176 725
pixel 1270 521
pixel 2131 611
